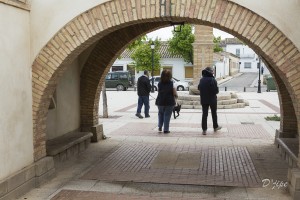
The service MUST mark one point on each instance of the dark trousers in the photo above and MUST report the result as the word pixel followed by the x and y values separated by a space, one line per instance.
pixel 143 100
pixel 213 108
pixel 164 116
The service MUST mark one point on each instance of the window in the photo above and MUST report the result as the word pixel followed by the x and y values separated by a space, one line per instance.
pixel 238 52
pixel 156 72
pixel 188 71
pixel 123 76
pixel 108 77
pixel 114 76
pixel 116 68
pixel 157 79
pixel 247 65
pixel 168 68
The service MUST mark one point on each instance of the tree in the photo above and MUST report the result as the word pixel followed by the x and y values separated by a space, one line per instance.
pixel 104 97
pixel 139 41
pixel 217 41
pixel 142 56
pixel 182 43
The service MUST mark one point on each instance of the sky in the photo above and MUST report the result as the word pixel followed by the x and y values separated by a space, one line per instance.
pixel 166 33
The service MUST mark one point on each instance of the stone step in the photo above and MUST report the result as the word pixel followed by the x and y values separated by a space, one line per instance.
pixel 237 105
pixel 197 97
pixel 226 100
pixel 220 102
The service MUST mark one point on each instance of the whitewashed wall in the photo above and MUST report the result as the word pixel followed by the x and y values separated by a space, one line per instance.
pixel 65 117
pixel 16 135
pixel 177 65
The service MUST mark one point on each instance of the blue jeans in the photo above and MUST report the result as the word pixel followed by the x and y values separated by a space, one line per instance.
pixel 143 100
pixel 164 116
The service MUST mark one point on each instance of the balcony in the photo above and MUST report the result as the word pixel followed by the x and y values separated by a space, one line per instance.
pixel 247 55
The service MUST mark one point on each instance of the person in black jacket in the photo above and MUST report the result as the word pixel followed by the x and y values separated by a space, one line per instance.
pixel 208 88
pixel 143 90
pixel 165 100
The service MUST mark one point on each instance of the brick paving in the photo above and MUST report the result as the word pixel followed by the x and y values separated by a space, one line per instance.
pixel 178 164
pixel 137 162
pixel 92 195
pixel 251 131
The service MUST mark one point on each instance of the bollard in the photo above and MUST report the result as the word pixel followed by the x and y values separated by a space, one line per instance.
pixel 225 88
pixel 244 89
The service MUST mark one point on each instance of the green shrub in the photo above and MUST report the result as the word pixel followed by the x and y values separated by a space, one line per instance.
pixel 272 118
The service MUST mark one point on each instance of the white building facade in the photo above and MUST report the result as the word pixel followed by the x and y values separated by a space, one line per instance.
pixel 180 69
pixel 249 60
pixel 226 64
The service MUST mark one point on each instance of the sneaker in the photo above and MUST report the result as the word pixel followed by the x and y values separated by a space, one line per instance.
pixel 166 131
pixel 218 128
pixel 159 129
pixel 139 115
pixel 203 132
pixel 147 116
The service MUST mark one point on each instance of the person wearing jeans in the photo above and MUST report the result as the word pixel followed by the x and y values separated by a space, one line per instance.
pixel 165 100
pixel 164 117
pixel 208 88
pixel 143 90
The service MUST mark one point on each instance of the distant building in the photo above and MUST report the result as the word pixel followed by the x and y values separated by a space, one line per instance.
pixel 225 63
pixel 248 58
pixel 180 69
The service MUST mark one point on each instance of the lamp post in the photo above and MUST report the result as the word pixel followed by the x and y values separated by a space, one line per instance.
pixel 152 49
pixel 259 81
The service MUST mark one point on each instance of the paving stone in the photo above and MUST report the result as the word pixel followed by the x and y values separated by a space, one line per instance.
pixel 230 166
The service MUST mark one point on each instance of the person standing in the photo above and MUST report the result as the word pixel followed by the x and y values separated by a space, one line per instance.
pixel 208 88
pixel 143 90
pixel 165 100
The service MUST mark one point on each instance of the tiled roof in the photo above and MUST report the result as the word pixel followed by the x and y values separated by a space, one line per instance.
pixel 223 43
pixel 164 53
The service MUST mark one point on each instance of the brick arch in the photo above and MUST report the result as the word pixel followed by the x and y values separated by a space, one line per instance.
pixel 98 65
pixel 104 21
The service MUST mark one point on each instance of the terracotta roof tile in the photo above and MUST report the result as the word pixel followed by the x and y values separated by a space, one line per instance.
pixel 164 53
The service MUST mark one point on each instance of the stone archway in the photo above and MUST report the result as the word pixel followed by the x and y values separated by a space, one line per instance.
pixel 132 18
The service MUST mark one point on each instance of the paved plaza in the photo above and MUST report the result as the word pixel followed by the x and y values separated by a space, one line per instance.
pixel 137 162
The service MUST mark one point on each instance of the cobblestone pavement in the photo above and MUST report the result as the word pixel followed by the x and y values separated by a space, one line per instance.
pixel 137 162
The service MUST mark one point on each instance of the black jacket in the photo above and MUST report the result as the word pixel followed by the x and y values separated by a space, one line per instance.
pixel 143 86
pixel 165 95
pixel 208 88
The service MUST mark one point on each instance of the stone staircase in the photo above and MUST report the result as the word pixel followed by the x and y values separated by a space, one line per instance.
pixel 226 100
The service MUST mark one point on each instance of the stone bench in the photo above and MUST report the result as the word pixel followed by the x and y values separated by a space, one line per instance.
pixel 288 148
pixel 68 145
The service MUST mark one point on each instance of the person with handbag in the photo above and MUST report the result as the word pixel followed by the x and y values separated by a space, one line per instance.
pixel 165 100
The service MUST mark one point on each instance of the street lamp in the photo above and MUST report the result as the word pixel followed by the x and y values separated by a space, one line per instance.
pixel 259 81
pixel 152 49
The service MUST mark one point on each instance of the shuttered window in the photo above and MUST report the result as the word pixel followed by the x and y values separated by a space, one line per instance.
pixel 188 72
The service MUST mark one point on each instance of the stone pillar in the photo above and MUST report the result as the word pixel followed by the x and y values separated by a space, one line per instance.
pixel 203 50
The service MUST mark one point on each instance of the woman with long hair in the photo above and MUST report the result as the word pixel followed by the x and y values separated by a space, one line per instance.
pixel 165 100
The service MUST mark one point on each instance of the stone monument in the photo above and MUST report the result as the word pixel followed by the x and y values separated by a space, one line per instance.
pixel 203 57
pixel 203 53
